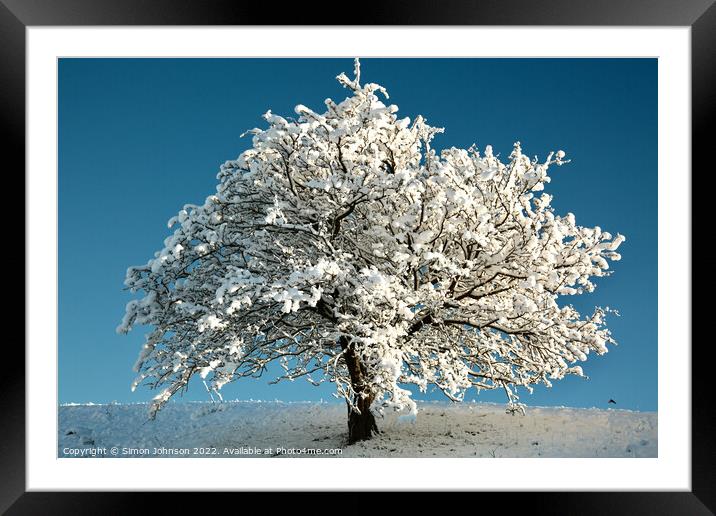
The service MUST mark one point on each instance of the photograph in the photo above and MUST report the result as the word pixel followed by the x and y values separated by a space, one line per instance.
pixel 358 257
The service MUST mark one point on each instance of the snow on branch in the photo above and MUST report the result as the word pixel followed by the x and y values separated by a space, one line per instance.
pixel 439 268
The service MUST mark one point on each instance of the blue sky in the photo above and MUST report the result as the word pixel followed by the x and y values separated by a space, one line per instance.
pixel 139 138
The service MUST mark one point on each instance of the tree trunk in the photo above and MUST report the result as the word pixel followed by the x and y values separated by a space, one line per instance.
pixel 361 426
pixel 361 422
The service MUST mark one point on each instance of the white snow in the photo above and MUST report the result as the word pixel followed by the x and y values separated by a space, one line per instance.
pixel 243 428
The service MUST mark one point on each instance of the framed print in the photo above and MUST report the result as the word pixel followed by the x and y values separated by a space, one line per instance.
pixel 444 249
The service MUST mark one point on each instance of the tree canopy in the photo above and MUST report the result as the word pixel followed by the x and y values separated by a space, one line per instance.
pixel 343 246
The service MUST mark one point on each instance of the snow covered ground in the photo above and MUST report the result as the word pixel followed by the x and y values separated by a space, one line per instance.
pixel 278 429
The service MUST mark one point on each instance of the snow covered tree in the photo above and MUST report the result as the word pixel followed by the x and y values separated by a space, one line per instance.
pixel 343 246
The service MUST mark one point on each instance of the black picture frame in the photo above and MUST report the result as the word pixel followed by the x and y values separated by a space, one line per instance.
pixel 700 15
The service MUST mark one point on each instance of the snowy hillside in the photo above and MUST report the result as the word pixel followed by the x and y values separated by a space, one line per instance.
pixel 277 429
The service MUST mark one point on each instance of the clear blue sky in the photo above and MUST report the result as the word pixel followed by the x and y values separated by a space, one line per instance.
pixel 139 138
